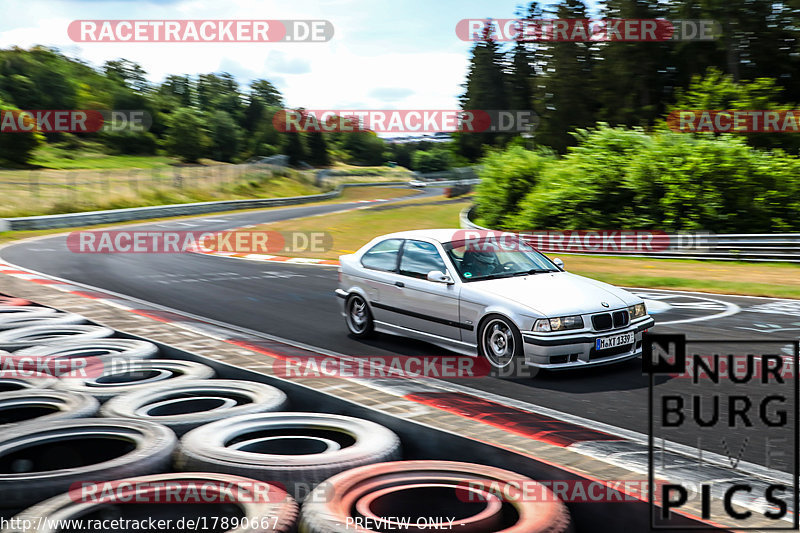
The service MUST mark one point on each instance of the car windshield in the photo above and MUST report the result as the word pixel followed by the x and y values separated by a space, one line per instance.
pixel 490 259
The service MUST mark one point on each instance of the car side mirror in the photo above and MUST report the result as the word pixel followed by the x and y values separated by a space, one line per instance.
pixel 439 277
pixel 559 263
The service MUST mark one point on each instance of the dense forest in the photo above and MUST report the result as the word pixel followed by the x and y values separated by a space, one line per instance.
pixel 602 155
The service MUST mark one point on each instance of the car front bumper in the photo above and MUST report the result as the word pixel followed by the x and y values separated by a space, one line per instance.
pixel 575 350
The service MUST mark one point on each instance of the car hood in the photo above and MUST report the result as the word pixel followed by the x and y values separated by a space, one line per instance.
pixel 552 295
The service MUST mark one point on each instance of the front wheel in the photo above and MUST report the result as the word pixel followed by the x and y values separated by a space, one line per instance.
pixel 499 341
pixel 358 316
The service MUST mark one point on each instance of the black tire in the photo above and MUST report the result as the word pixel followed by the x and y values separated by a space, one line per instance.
pixel 135 375
pixel 189 404
pixel 432 489
pixel 500 343
pixel 13 312
pixel 16 339
pixel 12 381
pixel 96 349
pixel 81 354
pixel 40 460
pixel 24 320
pixel 43 405
pixel 297 450
pixel 358 317
pixel 272 516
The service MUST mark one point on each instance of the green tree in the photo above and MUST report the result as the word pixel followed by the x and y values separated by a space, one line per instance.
pixel 719 91
pixel 17 147
pixel 128 74
pixel 318 150
pixel 176 91
pixel 759 39
pixel 506 177
pixel 294 148
pixel 187 137
pixel 219 92
pixel 226 136
pixel 568 94
pixel 266 93
pixel 433 160
pixel 522 78
pixel 632 80
pixel 624 178
pixel 363 148
pixel 485 89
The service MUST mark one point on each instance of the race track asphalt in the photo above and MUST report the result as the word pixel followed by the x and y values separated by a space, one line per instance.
pixel 297 302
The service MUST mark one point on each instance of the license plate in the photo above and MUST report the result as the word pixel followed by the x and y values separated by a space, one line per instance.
pixel 605 343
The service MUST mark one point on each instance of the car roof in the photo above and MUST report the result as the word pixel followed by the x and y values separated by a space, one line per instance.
pixel 439 235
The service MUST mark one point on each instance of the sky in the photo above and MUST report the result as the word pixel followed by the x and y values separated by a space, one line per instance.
pixel 384 54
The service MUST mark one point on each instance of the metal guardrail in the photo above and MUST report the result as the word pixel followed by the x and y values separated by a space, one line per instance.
pixel 755 247
pixel 453 174
pixel 89 218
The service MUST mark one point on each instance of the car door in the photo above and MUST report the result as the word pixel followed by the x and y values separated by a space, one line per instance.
pixel 381 280
pixel 427 306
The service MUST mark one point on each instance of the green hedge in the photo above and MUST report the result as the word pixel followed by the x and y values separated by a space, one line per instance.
pixel 620 178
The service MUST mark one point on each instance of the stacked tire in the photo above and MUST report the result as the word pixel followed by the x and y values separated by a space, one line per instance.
pixel 116 424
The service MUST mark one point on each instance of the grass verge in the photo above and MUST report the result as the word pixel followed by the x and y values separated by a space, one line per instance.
pixel 350 194
pixel 350 230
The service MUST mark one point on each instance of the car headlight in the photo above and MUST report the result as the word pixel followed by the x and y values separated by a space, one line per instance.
pixel 558 324
pixel 637 311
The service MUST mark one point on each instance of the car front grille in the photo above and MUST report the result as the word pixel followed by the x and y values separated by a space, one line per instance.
pixel 602 321
pixel 606 321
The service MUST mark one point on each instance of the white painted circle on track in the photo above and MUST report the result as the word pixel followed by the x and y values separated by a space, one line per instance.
pixel 661 303
pixel 655 307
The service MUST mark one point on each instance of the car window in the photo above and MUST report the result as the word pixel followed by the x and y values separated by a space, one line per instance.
pixel 419 258
pixel 383 256
pixel 487 260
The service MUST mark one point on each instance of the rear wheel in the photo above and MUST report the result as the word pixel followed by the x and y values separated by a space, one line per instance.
pixel 358 316
pixel 500 342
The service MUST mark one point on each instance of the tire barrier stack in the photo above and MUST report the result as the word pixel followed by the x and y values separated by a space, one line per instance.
pixel 294 449
pixel 189 404
pixel 120 379
pixel 130 429
pixel 29 336
pixel 43 405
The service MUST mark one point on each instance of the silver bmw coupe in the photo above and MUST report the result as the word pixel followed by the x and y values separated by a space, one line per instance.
pixel 488 294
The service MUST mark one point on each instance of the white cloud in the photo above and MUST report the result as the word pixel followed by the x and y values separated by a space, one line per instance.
pixel 345 72
pixel 282 63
